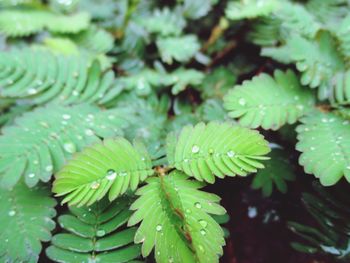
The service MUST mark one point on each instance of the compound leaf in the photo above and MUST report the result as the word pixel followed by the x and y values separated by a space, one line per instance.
pixel 216 149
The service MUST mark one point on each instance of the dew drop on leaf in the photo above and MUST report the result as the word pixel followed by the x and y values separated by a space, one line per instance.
pixel 66 116
pixel 95 185
pixel 242 102
pixel 89 132
pixel 69 147
pixel 122 174
pixel 49 168
pixel 31 175
pixel 195 148
pixel 203 223
pixel 230 154
pixel 111 174
pixel 159 228
pixel 203 232
pixel 12 213
pixel 198 205
pixel 100 233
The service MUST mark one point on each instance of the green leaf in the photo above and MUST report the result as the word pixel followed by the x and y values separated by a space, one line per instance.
pixel 25 22
pixel 175 220
pixel 26 221
pixel 237 10
pixel 181 78
pixel 324 140
pixel 40 141
pixel 216 149
pixel 95 234
pixel 269 102
pixel 64 79
pixel 277 173
pixel 163 22
pixel 113 166
pixel 180 49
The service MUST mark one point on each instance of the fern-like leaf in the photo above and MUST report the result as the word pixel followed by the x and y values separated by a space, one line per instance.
pixel 277 173
pixel 65 79
pixel 269 102
pixel 26 221
pixel 95 234
pixel 40 142
pixel 180 49
pixel 176 221
pixel 216 149
pixel 25 22
pixel 324 140
pixel 237 10
pixel 114 166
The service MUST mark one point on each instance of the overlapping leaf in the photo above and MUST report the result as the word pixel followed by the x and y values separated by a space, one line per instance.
pixel 25 22
pixel 26 221
pixel 40 142
pixel 216 149
pixel 237 10
pixel 324 140
pixel 175 220
pixel 95 234
pixel 269 102
pixel 113 166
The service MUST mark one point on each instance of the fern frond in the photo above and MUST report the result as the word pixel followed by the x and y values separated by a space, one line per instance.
pixel 163 22
pixel 26 221
pixel 40 142
pixel 94 39
pixel 180 49
pixel 181 78
pixel 25 22
pixel 113 166
pixel 63 79
pixel 95 234
pixel 269 102
pixel 277 173
pixel 296 18
pixel 176 221
pixel 216 149
pixel 324 140
pixel 237 10
pixel 265 31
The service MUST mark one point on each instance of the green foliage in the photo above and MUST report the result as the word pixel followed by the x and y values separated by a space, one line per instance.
pixel 181 49
pixel 324 140
pixel 205 151
pixel 121 166
pixel 96 233
pixel 26 221
pixel 277 173
pixel 175 220
pixel 40 142
pixel 237 10
pixel 25 22
pixel 280 100
pixel 331 233
pixel 66 79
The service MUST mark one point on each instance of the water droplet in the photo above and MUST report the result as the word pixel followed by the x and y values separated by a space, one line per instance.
pixel 203 223
pixel 111 117
pixel 198 205
pixel 89 132
pixel 203 232
pixel 171 260
pixel 31 175
pixel 12 213
pixel 186 160
pixel 188 211
pixel 195 148
pixel 159 228
pixel 111 174
pixel 312 148
pixel 300 107
pixel 95 185
pixel 230 154
pixel 242 102
pixel 143 159
pixel 69 147
pixel 211 151
pixel 75 74
pixel 123 174
pixel 66 116
pixel 201 248
pixel 324 120
pixel 32 91
pixel 75 93
pixel 100 233
pixel 348 167
pixel 36 162
pixel 252 212
pixel 49 168
pixel 158 253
